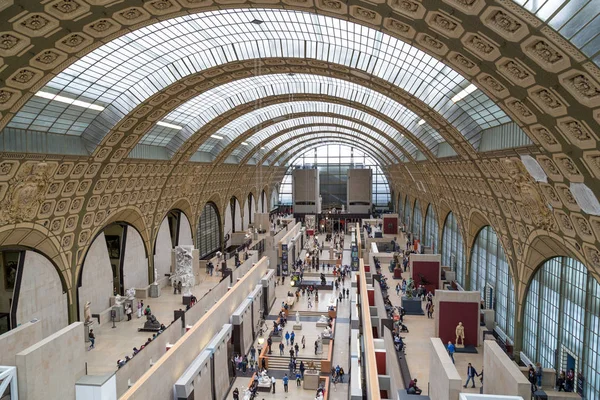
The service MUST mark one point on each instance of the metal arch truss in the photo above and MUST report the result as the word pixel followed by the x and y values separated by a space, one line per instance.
pixel 8 378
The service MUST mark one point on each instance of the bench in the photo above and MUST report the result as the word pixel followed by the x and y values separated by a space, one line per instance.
pixel 562 395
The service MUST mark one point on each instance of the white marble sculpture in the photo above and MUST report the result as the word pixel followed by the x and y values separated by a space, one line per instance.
pixel 118 300
pixel 323 318
pixel 327 332
pixel 183 269
pixel 297 317
pixel 87 314
pixel 130 293
pixel 264 377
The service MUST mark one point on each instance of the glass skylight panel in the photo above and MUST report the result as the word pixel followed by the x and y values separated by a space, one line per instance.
pixel 255 118
pixel 200 110
pixel 576 20
pixel 322 122
pixel 145 61
pixel 322 131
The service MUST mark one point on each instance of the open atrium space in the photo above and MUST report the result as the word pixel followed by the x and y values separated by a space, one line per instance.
pixel 299 199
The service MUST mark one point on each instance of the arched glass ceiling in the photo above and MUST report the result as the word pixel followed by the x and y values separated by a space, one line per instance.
pixel 256 139
pixel 285 159
pixel 292 146
pixel 129 69
pixel 284 144
pixel 577 20
pixel 259 116
pixel 288 150
pixel 195 113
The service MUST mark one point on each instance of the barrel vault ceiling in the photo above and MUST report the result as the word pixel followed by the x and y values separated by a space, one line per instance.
pixel 381 74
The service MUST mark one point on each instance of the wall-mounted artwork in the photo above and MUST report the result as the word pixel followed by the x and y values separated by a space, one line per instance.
pixel 113 244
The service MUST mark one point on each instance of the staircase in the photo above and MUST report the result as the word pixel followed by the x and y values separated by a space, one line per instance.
pixel 282 363
pixel 310 314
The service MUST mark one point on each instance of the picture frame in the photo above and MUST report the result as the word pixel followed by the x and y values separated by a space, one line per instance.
pixel 113 244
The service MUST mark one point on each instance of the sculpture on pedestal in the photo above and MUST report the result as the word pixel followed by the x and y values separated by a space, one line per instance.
pixel 151 323
pixel 130 294
pixel 118 300
pixel 460 334
pixel 297 317
pixel 87 314
pixel 183 268
pixel 410 287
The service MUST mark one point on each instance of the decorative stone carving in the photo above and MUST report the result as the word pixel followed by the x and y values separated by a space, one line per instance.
pixel 577 133
pixel 399 27
pixel 410 8
pixel 531 195
pixel 481 46
pixel 8 98
pixel 431 43
pixel 183 269
pixel 521 111
pixel 444 24
pixel 584 88
pixel 504 23
pixel 67 9
pixel 25 193
pixel 545 54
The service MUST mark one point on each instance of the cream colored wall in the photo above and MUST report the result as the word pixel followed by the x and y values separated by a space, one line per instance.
pixel 135 263
pixel 41 295
pixel 97 278
pixel 17 340
pixel 50 368
pixel 185 231
pixel 162 249
pixel 444 379
pixel 502 375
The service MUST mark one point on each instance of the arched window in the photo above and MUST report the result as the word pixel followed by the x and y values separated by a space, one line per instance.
pixel 562 312
pixel 431 230
pixel 407 212
pixel 490 273
pixel 417 221
pixel 208 237
pixel 453 254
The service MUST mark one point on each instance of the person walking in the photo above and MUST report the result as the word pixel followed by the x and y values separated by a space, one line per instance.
pixel 285 383
pixel 287 338
pixel 451 351
pixel 273 383
pixel 128 312
pixel 292 337
pixel 298 378
pixel 297 348
pixel 303 342
pixel 471 374
pixel 316 347
pixel 302 369
pixel 236 394
pixel 140 307
pixel 397 289
pixel 539 374
pixel 92 338
pixel 281 348
pixel 253 353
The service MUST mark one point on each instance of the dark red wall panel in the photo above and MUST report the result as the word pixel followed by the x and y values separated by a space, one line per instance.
pixel 380 358
pixel 390 226
pixel 371 296
pixel 430 270
pixel 451 313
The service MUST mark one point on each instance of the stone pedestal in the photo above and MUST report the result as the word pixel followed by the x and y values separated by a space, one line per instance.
pixel 297 327
pixel 187 300
pixel 413 306
pixel 86 332
pixel 119 313
pixel 154 290
pixel 311 380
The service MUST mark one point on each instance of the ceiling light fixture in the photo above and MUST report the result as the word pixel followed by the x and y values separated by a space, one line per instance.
pixel 464 93
pixel 257 21
pixel 262 148
pixel 168 125
pixel 216 137
pixel 66 100
pixel 421 122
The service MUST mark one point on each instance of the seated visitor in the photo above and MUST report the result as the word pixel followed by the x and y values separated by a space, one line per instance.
pixel 413 388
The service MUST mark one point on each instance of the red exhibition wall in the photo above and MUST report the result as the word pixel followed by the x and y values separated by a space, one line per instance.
pixel 451 313
pixel 380 360
pixel 430 271
pixel 390 226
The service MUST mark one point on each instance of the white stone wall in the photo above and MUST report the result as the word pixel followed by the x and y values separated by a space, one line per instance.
pixel 162 249
pixel 50 368
pixel 185 231
pixel 41 295
pixel 246 219
pixel 135 264
pixel 97 278
pixel 238 217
